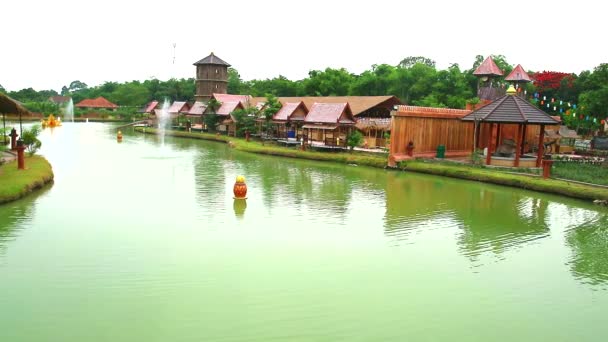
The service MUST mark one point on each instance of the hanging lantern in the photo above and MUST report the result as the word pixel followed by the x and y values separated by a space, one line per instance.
pixel 568 104
pixel 552 100
pixel 554 108
pixel 574 106
pixel 542 103
pixel 561 110
pixel 560 102
pixel 547 105
pixel 603 122
pixel 545 98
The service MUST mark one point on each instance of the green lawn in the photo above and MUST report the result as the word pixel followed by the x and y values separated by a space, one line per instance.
pixel 16 183
pixel 587 173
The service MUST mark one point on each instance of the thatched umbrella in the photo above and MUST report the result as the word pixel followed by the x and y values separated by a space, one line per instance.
pixel 10 106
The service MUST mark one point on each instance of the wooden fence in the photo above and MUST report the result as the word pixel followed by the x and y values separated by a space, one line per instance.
pixel 427 128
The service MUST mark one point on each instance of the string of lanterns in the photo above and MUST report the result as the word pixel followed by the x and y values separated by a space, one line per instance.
pixel 565 108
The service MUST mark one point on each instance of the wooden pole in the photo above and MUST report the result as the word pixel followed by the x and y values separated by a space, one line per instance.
pixel 518 145
pixel 541 146
pixel 523 137
pixel 489 147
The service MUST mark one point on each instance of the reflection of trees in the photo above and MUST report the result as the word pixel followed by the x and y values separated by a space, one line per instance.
pixel 491 218
pixel 209 177
pixel 13 214
pixel 589 244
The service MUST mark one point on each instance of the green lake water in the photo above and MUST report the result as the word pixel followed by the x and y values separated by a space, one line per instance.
pixel 142 241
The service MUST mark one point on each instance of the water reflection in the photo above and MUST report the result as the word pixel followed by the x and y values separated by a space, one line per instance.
pixel 239 207
pixel 15 215
pixel 486 218
pixel 589 244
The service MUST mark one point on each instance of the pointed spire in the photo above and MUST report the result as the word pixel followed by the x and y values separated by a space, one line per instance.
pixel 511 90
pixel 518 75
pixel 488 68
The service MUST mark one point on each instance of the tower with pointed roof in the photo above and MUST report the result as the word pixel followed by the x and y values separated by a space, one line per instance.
pixel 211 77
pixel 518 78
pixel 486 74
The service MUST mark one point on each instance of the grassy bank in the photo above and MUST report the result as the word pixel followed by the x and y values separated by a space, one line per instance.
pixel 15 184
pixel 581 172
pixel 272 149
pixel 520 181
pixel 442 169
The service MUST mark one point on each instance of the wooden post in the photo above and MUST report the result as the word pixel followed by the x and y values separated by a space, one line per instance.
pixel 498 130
pixel 541 146
pixel 523 139
pixel 489 147
pixel 517 145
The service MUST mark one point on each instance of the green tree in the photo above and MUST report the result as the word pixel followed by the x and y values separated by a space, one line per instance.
pixel 331 82
pixel 210 117
pixel 235 84
pixel 354 139
pixel 244 120
pixel 271 107
pixel 30 139
pixel 409 62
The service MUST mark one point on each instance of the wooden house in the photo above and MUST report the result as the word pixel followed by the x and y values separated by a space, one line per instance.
pixel 328 123
pixel 289 120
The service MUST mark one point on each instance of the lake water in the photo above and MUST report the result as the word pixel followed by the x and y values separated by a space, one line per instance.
pixel 142 241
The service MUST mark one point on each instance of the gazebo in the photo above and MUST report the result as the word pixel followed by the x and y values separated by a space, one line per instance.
pixel 510 109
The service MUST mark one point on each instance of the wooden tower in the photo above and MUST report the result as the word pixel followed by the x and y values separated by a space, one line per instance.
pixel 486 73
pixel 519 77
pixel 211 77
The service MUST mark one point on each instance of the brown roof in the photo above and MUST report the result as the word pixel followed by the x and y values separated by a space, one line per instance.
pixel 330 113
pixel 10 106
pixel 379 124
pixel 431 112
pixel 212 59
pixel 179 107
pixel 518 75
pixel 99 102
pixel 244 99
pixel 511 109
pixel 60 99
pixel 228 107
pixel 198 108
pixel 358 104
pixel 287 110
pixel 488 68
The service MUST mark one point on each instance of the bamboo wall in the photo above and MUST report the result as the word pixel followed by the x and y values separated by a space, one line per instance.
pixel 428 128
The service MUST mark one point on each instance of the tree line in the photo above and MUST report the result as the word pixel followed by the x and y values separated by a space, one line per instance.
pixel 415 80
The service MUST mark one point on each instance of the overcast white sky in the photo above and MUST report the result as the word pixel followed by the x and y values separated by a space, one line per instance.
pixel 48 44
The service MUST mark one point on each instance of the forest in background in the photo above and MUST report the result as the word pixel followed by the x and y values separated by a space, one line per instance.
pixel 581 100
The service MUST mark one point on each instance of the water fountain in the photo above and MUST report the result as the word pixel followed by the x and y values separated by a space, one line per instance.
pixel 163 119
pixel 68 113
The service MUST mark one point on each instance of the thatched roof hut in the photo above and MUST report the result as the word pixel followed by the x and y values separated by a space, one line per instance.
pixel 10 106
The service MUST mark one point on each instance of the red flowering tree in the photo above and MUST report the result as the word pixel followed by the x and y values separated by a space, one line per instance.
pixel 551 80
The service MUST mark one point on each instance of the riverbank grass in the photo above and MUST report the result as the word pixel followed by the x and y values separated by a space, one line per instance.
pixel 462 171
pixel 15 183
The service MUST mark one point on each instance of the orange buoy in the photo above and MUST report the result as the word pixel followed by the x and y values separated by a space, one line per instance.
pixel 119 136
pixel 240 188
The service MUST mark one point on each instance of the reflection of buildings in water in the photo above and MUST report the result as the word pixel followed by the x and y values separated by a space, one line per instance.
pixel 488 219
pixel 589 245
pixel 502 221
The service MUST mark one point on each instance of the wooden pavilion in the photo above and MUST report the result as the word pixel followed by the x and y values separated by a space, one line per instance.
pixel 512 110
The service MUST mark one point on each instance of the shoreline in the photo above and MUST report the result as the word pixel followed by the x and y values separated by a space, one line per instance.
pixel 566 188
pixel 16 184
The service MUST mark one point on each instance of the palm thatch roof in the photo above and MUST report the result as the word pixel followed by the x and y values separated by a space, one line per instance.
pixel 377 124
pixel 10 106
